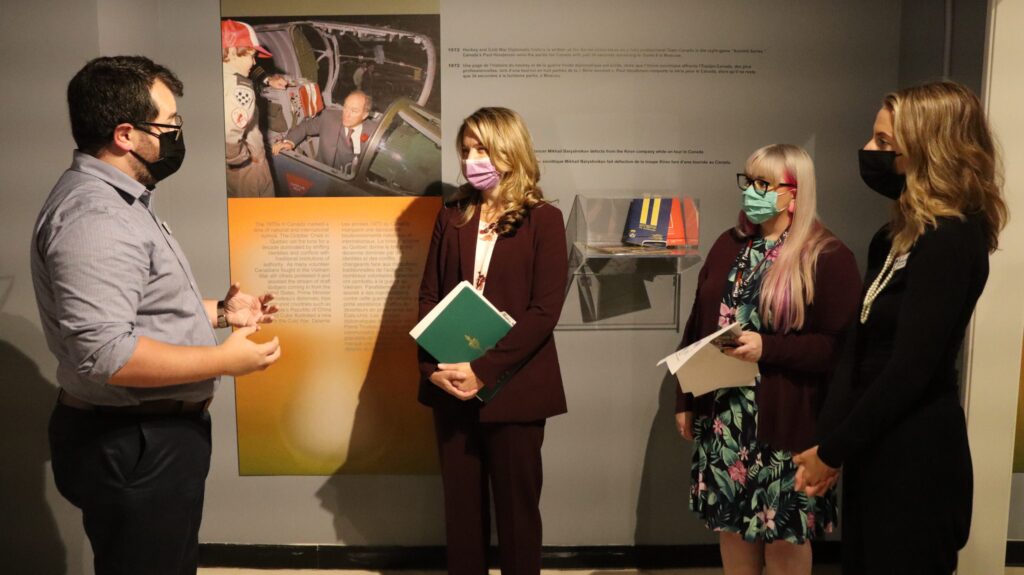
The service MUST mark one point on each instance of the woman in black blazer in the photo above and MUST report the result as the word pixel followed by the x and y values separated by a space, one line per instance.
pixel 908 480
pixel 502 236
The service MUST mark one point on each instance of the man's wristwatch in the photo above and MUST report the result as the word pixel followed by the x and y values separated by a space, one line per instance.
pixel 222 316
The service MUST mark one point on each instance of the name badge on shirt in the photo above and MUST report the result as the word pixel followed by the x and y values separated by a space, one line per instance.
pixel 901 262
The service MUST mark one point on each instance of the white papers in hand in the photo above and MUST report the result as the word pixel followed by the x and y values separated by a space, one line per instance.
pixel 701 367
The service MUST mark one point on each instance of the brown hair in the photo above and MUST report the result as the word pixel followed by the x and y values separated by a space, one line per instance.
pixel 952 166
pixel 240 52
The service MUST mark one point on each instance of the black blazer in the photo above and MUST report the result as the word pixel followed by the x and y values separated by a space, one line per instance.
pixel 526 279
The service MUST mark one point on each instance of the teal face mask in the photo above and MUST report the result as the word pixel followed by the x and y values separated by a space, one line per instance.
pixel 759 209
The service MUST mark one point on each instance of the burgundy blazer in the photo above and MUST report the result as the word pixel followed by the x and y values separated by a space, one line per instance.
pixel 796 366
pixel 526 279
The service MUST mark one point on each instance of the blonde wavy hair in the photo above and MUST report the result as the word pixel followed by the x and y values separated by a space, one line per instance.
pixel 952 167
pixel 788 286
pixel 510 149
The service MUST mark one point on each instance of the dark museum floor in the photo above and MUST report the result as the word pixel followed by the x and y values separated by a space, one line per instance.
pixel 828 570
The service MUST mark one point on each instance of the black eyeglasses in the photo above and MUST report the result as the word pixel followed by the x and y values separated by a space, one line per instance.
pixel 175 125
pixel 760 186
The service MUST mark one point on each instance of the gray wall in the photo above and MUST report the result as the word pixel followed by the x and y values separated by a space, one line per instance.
pixel 43 535
pixel 631 488
pixel 42 45
pixel 925 26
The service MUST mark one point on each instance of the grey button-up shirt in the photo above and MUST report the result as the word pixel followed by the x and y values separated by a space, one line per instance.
pixel 105 272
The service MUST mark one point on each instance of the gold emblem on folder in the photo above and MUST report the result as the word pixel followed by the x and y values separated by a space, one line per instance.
pixel 472 342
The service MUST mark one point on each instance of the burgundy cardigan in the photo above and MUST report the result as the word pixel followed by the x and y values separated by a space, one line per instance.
pixel 526 279
pixel 795 366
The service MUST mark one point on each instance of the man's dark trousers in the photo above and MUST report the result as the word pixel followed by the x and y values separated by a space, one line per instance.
pixel 139 481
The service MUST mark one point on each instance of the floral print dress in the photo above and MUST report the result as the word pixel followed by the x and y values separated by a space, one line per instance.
pixel 740 485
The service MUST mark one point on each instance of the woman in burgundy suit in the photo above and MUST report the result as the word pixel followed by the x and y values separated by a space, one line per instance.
pixel 501 235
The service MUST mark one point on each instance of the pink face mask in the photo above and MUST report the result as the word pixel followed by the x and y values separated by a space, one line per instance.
pixel 481 173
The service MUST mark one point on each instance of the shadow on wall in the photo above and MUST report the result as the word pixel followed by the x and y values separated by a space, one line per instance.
pixel 663 515
pixel 31 540
pixel 391 430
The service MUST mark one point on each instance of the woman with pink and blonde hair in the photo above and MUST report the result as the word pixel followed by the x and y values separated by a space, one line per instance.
pixel 793 286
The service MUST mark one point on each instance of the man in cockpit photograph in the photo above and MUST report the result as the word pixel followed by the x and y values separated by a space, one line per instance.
pixel 322 129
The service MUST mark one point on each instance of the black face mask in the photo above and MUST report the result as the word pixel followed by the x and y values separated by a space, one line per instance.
pixel 879 173
pixel 172 154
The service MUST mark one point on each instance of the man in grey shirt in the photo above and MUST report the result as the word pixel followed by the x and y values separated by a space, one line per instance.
pixel 138 359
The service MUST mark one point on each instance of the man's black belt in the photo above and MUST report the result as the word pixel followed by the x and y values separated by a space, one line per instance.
pixel 154 407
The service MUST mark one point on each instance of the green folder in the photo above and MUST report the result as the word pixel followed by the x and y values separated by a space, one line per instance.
pixel 461 327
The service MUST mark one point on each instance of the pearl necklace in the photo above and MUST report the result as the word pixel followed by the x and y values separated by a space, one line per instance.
pixel 881 280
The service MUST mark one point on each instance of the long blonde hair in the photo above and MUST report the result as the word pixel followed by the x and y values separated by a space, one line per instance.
pixel 951 163
pixel 788 286
pixel 510 149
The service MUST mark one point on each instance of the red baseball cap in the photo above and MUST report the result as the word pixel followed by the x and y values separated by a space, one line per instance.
pixel 234 34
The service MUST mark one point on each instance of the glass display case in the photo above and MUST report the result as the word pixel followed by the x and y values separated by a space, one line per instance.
pixel 612 285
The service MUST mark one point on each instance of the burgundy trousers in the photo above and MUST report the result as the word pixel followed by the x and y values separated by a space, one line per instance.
pixel 484 460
